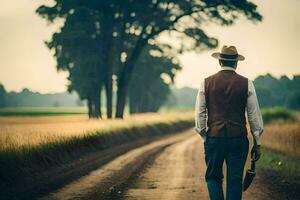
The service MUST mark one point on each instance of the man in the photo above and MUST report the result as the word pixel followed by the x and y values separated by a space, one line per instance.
pixel 221 104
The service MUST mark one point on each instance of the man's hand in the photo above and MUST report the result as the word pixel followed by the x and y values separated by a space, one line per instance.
pixel 255 152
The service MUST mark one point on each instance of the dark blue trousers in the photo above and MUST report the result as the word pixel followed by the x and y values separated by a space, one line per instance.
pixel 234 152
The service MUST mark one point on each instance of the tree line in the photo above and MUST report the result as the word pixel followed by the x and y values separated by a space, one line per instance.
pixel 283 91
pixel 271 92
pixel 107 43
pixel 28 98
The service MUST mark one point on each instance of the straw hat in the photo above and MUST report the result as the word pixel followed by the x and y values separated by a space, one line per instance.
pixel 228 53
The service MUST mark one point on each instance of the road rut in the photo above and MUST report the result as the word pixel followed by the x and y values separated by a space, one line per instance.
pixel 170 168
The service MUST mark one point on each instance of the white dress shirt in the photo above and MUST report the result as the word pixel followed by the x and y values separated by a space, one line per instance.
pixel 253 112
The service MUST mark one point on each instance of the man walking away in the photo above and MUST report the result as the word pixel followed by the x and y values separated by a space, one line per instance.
pixel 222 101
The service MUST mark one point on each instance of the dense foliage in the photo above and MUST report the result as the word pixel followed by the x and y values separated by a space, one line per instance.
pixel 281 91
pixel 150 85
pixel 100 40
pixel 278 113
pixel 2 96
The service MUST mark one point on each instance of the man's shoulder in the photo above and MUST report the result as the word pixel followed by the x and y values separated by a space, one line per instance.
pixel 242 77
pixel 216 75
pixel 211 76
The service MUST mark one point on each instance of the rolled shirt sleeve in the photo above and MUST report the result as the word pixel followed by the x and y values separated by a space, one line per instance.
pixel 201 112
pixel 253 113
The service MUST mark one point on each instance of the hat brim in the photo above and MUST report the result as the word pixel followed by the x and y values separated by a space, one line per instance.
pixel 217 56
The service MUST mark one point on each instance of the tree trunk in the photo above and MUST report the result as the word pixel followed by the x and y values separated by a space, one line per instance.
pixel 107 24
pixel 90 108
pixel 98 113
pixel 133 106
pixel 94 104
pixel 108 89
pixel 124 77
pixel 121 97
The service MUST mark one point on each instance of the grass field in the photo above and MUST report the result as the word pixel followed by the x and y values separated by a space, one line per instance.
pixel 23 127
pixel 34 138
pixel 283 136
pixel 27 131
pixel 29 144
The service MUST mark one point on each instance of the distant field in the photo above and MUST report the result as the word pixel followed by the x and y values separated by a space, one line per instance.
pixel 50 111
pixel 31 144
pixel 19 132
pixel 41 111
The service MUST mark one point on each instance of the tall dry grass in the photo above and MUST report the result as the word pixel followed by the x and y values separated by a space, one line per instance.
pixel 283 137
pixel 31 145
pixel 19 132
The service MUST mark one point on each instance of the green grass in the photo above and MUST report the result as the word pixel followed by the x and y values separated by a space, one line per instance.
pixel 41 111
pixel 281 171
pixel 283 164
pixel 277 114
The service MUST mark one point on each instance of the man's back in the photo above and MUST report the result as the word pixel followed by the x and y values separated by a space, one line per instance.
pixel 226 99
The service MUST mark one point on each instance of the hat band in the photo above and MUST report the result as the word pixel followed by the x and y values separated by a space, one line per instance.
pixel 228 56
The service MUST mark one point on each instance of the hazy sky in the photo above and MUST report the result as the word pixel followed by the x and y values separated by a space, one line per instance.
pixel 271 46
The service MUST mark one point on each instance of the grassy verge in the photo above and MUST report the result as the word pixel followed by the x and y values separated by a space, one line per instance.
pixel 282 171
pixel 283 136
pixel 277 114
pixel 281 163
pixel 41 111
pixel 18 162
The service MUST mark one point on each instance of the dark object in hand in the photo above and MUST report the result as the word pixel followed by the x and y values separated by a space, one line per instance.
pixel 255 153
pixel 250 174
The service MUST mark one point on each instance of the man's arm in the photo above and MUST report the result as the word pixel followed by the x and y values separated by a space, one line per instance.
pixel 255 121
pixel 254 115
pixel 200 112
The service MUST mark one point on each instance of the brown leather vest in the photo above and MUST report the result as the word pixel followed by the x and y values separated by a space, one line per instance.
pixel 226 99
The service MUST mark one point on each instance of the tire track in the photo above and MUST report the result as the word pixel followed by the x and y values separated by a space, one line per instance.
pixel 99 183
pixel 175 174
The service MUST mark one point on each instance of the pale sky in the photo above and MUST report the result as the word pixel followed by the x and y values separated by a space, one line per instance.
pixel 271 46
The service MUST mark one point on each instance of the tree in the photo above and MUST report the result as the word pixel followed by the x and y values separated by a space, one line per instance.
pixel 265 97
pixel 77 51
pixel 269 90
pixel 293 100
pixel 155 17
pixel 183 98
pixel 272 91
pixel 84 81
pixel 2 96
pixel 150 85
pixel 126 27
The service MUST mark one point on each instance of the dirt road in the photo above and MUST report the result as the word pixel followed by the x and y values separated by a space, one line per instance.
pixel 170 168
